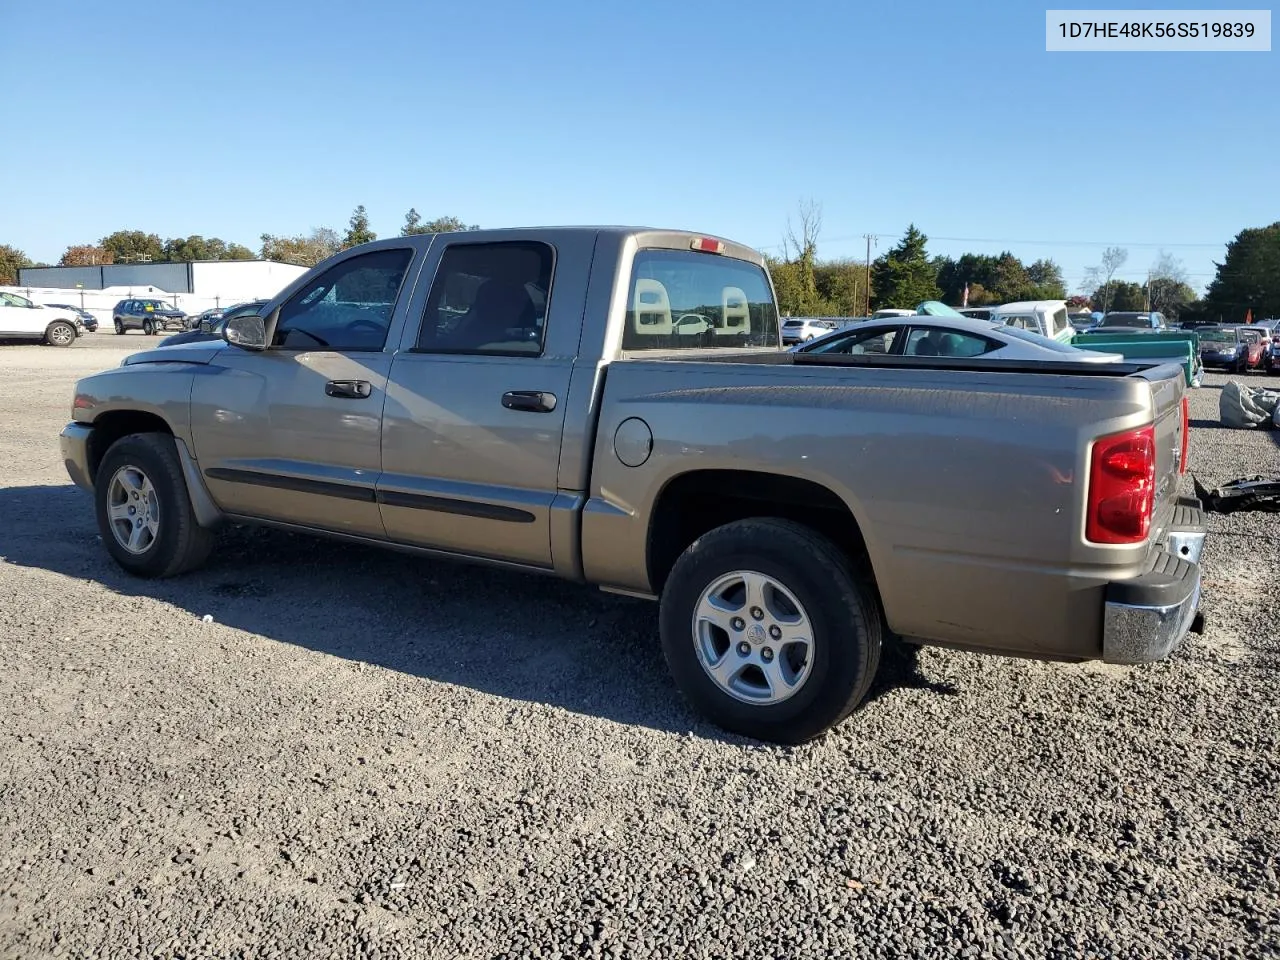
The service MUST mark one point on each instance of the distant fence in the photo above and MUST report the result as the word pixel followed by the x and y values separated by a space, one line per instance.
pixel 101 303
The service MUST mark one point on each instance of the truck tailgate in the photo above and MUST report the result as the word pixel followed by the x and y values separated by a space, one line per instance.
pixel 1169 396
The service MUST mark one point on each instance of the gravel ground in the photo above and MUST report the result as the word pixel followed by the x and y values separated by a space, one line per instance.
pixel 389 757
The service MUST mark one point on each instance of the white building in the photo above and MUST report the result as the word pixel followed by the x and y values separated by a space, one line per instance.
pixel 190 286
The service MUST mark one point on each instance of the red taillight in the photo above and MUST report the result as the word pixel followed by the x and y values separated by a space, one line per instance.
pixel 706 245
pixel 1186 434
pixel 1122 483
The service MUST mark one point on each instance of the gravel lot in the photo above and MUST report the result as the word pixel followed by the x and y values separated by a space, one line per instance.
pixel 368 755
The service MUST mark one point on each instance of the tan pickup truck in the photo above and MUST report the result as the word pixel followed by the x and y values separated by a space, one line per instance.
pixel 613 406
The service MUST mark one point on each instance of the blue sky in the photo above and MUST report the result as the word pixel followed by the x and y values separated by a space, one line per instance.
pixel 232 119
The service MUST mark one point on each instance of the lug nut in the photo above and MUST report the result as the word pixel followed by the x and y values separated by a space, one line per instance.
pixel 757 613
pixel 766 655
pixel 744 648
pixel 737 623
pixel 775 632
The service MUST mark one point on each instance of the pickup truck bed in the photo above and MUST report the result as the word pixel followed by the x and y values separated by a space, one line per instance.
pixel 626 417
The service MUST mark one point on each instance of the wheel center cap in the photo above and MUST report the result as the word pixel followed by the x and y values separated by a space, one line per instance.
pixel 755 633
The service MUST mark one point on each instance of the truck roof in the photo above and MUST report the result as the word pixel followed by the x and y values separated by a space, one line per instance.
pixel 619 233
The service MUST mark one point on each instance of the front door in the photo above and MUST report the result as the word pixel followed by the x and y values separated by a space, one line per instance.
pixel 293 433
pixel 19 316
pixel 473 421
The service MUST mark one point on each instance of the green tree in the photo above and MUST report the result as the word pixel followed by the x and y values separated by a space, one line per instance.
pixel 308 250
pixel 358 231
pixel 1121 295
pixel 840 285
pixel 978 270
pixel 11 261
pixel 1046 280
pixel 1100 277
pixel 1249 277
pixel 85 255
pixel 413 225
pixel 904 277
pixel 133 246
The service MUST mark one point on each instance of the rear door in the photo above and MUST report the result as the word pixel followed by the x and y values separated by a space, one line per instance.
pixel 476 407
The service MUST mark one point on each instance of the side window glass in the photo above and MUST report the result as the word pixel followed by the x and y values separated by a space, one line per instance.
pixel 489 298
pixel 941 342
pixel 867 342
pixel 348 307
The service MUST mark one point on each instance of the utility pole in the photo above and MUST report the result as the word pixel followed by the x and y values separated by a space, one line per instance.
pixel 868 237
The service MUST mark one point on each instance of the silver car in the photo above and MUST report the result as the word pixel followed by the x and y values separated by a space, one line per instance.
pixel 954 337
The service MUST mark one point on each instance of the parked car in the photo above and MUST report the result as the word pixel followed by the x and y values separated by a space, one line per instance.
pixel 23 319
pixel 923 336
pixel 1226 347
pixel 804 329
pixel 148 315
pixel 977 313
pixel 85 319
pixel 425 393
pixel 212 329
pixel 1132 320
pixel 1272 357
pixel 1049 318
pixel 201 320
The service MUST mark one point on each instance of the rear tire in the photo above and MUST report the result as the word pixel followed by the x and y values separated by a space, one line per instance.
pixel 119 328
pixel 802 573
pixel 139 485
pixel 60 334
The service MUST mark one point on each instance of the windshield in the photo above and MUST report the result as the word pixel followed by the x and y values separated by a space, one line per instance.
pixel 1131 320
pixel 1030 336
pixel 935 308
pixel 1218 336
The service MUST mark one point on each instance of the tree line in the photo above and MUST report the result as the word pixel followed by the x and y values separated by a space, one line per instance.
pixel 1247 282
pixel 138 246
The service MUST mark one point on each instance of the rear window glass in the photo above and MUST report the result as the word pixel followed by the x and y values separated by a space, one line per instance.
pixel 1131 320
pixel 1030 336
pixel 680 300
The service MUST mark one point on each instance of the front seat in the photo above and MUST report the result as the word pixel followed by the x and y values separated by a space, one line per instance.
pixel 499 305
pixel 927 346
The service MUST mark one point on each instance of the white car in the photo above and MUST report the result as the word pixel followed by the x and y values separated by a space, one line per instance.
pixel 804 329
pixel 22 319
pixel 958 337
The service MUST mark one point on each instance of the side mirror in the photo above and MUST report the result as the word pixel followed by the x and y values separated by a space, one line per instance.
pixel 249 332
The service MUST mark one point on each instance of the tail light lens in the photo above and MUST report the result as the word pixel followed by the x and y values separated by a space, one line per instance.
pixel 1122 483
pixel 1186 434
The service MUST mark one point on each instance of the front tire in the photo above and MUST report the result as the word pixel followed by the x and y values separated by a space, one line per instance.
pixel 768 631
pixel 60 334
pixel 149 328
pixel 144 511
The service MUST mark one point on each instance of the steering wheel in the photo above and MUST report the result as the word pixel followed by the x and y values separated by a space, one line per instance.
pixel 366 322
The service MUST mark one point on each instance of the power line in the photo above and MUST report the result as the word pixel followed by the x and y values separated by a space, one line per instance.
pixel 996 240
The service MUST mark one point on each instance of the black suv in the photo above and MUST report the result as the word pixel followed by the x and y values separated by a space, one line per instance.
pixel 148 315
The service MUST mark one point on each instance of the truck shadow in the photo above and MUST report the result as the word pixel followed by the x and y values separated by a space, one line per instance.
pixel 519 636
